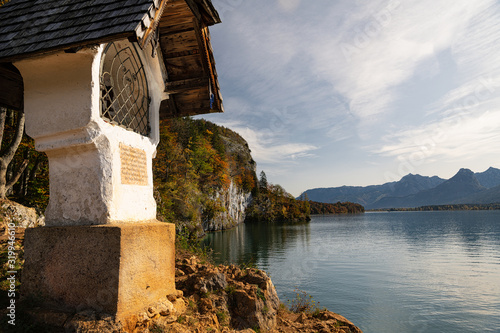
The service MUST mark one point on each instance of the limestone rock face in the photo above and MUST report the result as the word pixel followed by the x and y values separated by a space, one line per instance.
pixel 235 201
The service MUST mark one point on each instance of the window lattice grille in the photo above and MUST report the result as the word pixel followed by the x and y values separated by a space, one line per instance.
pixel 124 89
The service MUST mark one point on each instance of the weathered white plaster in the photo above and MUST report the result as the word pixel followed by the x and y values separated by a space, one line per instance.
pixel 62 106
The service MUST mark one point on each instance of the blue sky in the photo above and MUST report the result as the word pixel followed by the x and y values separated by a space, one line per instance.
pixel 359 92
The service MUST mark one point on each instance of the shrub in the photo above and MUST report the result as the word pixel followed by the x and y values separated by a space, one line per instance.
pixel 303 302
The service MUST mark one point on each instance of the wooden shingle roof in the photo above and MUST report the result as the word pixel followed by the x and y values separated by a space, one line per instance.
pixel 32 27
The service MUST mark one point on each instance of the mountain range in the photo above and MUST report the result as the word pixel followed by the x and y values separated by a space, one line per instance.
pixel 466 187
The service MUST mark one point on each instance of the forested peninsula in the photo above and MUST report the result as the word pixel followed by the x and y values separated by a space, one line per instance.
pixel 320 208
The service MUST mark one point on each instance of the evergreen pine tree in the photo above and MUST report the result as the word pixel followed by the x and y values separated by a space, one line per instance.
pixel 263 184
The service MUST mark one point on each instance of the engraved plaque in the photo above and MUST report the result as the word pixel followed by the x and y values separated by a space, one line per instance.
pixel 134 166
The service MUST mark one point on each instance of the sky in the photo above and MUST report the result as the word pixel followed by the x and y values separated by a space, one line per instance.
pixel 360 92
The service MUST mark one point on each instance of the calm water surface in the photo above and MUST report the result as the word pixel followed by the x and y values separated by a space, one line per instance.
pixel 386 272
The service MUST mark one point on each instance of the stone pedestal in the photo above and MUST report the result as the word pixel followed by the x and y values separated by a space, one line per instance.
pixel 114 269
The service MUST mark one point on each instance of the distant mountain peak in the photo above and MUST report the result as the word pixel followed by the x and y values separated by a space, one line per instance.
pixel 410 175
pixel 489 178
pixel 463 173
pixel 466 176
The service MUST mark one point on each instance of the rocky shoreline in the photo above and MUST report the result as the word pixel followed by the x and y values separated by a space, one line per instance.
pixel 218 299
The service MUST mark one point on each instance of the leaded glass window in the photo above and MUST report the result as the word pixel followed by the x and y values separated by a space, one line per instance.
pixel 124 88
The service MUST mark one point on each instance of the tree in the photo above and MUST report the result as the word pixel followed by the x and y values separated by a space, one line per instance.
pixel 263 184
pixel 305 203
pixel 9 148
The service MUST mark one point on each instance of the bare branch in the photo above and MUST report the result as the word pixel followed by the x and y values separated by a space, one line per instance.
pixel 32 174
pixel 10 151
pixel 16 176
pixel 3 115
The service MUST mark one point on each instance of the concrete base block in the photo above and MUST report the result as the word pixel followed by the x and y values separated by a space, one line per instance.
pixel 115 269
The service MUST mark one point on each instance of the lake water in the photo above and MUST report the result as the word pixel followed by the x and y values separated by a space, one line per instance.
pixel 386 272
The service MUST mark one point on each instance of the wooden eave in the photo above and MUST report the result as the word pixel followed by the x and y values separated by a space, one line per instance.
pixel 204 11
pixel 192 84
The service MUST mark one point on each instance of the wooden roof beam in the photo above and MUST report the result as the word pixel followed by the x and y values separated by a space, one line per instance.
pixel 180 86
pixel 194 8
pixel 168 108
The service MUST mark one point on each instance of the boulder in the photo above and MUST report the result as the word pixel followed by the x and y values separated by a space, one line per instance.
pixel 21 216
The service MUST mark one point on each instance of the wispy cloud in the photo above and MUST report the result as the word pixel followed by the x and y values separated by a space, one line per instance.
pixel 380 46
pixel 455 137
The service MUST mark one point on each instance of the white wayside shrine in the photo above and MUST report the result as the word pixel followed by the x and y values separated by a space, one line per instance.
pixel 95 114
pixel 94 79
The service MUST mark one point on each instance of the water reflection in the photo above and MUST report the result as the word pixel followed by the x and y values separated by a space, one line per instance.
pixel 387 272
pixel 254 243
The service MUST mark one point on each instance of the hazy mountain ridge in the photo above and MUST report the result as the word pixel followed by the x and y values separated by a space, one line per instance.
pixel 463 184
pixel 416 190
pixel 409 184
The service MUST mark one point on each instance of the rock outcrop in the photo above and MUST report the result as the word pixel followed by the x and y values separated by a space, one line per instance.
pixel 21 216
pixel 235 201
pixel 246 298
pixel 204 176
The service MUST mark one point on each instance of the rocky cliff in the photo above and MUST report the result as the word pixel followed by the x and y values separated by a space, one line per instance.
pixel 204 176
pixel 238 195
pixel 235 201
